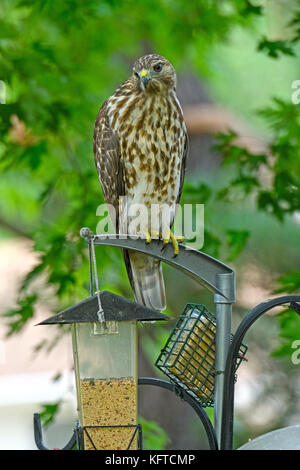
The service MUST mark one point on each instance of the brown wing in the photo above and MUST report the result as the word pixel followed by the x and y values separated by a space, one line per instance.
pixel 110 169
pixel 182 174
pixel 183 167
pixel 108 161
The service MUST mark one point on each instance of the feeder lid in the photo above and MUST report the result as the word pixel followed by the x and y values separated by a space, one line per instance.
pixel 115 307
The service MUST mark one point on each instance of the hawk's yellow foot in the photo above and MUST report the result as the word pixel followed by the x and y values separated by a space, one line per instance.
pixel 174 239
pixel 151 234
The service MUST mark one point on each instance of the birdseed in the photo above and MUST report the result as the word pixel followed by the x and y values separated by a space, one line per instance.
pixel 109 402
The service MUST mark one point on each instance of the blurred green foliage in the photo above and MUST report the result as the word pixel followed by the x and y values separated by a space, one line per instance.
pixel 48 412
pixel 60 60
pixel 156 438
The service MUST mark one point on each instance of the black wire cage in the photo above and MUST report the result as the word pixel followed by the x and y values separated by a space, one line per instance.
pixel 188 357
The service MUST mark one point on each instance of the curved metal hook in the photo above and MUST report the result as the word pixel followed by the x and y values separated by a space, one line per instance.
pixel 38 435
pixel 208 427
pixel 229 375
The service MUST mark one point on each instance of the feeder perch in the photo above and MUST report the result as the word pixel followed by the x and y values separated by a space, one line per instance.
pixel 188 357
pixel 105 359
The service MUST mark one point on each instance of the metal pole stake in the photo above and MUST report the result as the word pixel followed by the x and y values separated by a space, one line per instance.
pixel 226 284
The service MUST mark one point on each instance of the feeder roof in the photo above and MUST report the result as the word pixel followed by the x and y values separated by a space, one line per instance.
pixel 115 307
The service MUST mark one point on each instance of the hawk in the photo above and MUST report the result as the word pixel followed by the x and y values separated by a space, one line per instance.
pixel 140 146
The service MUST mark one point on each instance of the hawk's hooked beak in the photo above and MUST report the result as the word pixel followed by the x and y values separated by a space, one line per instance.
pixel 144 76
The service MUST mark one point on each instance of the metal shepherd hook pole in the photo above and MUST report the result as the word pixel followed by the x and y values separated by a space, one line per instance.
pixel 226 284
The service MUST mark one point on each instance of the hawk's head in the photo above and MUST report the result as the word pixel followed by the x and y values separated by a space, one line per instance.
pixel 154 73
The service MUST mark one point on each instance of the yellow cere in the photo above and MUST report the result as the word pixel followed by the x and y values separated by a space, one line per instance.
pixel 144 73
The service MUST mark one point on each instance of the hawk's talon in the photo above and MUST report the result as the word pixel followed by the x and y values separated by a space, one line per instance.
pixel 174 239
pixel 179 238
pixel 147 237
pixel 151 234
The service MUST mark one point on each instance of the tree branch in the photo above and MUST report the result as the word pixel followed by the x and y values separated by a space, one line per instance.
pixel 13 228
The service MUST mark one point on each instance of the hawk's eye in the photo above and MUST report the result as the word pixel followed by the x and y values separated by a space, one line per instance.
pixel 157 67
pixel 136 74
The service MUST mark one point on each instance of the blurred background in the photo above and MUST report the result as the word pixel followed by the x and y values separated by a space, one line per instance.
pixel 237 62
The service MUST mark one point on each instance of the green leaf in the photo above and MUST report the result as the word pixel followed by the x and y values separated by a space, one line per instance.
pixel 236 240
pixel 289 282
pixel 33 155
pixel 289 322
pixel 19 317
pixel 212 243
pixel 154 436
pixel 250 9
pixel 275 48
pixel 48 413
pixel 193 193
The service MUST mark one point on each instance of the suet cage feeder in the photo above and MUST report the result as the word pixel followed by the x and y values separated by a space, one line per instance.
pixel 189 355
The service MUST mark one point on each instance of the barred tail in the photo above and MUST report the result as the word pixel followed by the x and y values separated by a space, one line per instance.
pixel 146 278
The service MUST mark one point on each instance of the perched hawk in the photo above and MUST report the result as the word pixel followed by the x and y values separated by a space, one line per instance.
pixel 140 148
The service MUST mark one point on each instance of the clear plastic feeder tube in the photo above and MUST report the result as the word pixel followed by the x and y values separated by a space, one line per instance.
pixel 105 357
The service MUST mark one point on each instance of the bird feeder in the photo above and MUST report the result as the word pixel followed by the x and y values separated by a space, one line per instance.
pixel 212 274
pixel 200 357
pixel 105 360
pixel 189 355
